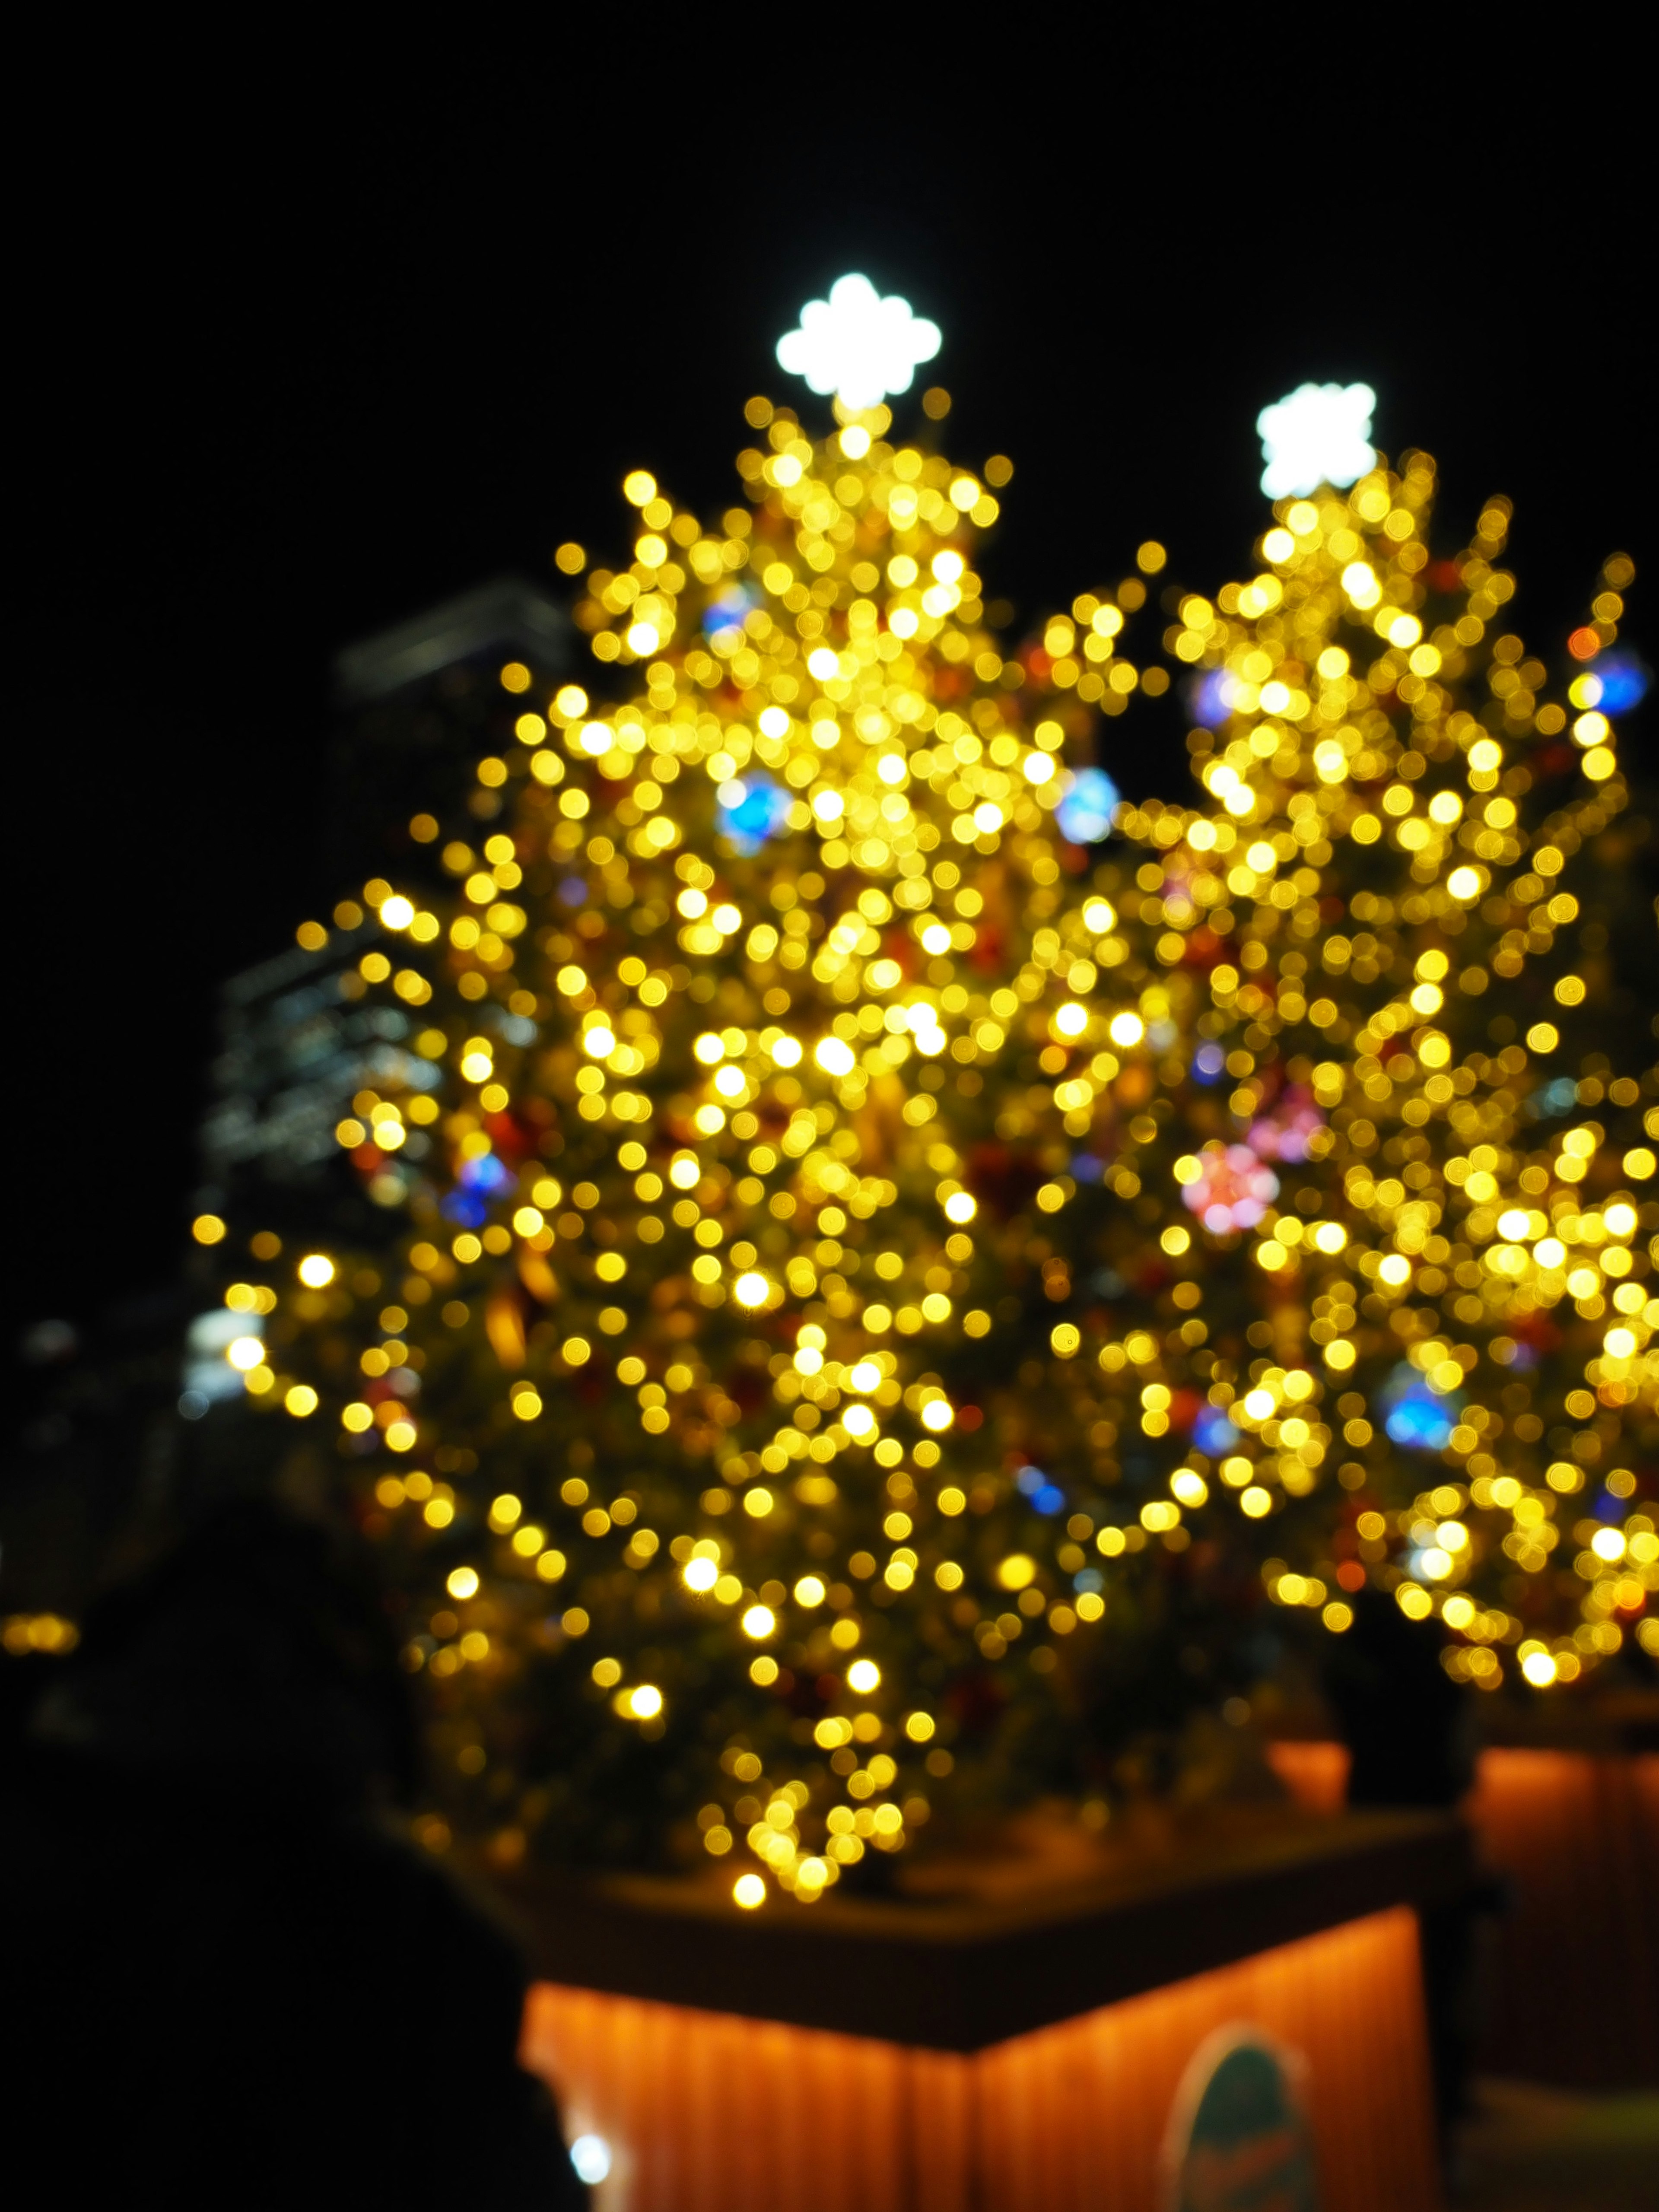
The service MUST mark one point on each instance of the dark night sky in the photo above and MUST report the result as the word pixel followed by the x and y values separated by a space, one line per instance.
pixel 285 384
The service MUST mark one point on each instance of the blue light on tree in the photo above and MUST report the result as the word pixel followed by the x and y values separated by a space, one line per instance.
pixel 1417 1415
pixel 1213 1432
pixel 1207 1063
pixel 723 618
pixel 1084 815
pixel 479 1181
pixel 1210 696
pixel 1615 682
pixel 752 808
pixel 486 1175
pixel 1557 1098
pixel 1045 1497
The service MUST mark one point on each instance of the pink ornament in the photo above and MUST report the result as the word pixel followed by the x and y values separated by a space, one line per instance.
pixel 1283 1133
pixel 1232 1189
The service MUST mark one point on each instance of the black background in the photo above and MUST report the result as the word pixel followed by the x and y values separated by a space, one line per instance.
pixel 296 366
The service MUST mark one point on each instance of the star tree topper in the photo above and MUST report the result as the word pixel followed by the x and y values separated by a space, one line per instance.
pixel 857 344
pixel 1319 433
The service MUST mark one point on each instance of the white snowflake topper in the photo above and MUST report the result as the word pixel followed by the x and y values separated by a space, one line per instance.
pixel 1320 433
pixel 857 344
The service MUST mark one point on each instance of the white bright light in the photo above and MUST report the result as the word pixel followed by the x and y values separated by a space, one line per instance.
pixel 591 2156
pixel 1319 433
pixel 857 344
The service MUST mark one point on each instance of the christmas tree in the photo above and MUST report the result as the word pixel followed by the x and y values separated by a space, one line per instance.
pixel 893 1283
pixel 748 1083
pixel 1419 1178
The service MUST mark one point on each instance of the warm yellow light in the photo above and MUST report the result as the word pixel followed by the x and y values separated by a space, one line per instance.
pixel 397 913
pixel 749 1891
pixel 834 1056
pixel 1515 1223
pixel 758 1621
pixel 245 1353
pixel 751 1290
pixel 961 1206
pixel 937 1414
pixel 699 1575
pixel 645 1701
pixel 1018 1571
pixel 1127 1029
pixel 1099 916
pixel 863 1676
pixel 1071 1019
pixel 810 1590
pixel 1394 1270
pixel 1539 1668
pixel 462 1583
pixel 208 1229
pixel 316 1270
pixel 301 1399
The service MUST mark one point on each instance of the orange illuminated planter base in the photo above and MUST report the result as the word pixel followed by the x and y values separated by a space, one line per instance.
pixel 1291 1974
pixel 1573 1993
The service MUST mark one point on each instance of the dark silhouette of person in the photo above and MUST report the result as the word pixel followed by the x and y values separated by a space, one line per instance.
pixel 1410 1734
pixel 229 1976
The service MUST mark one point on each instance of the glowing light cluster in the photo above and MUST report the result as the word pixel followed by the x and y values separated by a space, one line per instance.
pixel 858 1223
pixel 857 344
pixel 1320 433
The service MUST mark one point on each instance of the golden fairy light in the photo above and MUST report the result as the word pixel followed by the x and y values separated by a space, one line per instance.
pixel 864 1248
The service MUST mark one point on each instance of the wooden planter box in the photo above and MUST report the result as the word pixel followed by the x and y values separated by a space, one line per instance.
pixel 1030 2049
pixel 1573 1993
